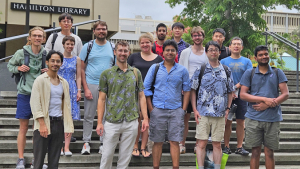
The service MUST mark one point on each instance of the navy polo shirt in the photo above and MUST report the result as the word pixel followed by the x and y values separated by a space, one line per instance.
pixel 264 85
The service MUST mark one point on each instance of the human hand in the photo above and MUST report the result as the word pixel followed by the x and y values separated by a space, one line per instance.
pixel 88 94
pixel 226 115
pixel 44 70
pixel 145 125
pixel 67 135
pixel 79 95
pixel 197 115
pixel 43 131
pixel 100 129
pixel 23 68
pixel 260 106
pixel 270 102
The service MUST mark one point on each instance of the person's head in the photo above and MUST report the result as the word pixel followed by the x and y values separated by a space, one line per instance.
pixel 170 49
pixel 54 60
pixel 198 35
pixel 262 57
pixel 122 51
pixel 161 31
pixel 68 43
pixel 236 45
pixel 100 30
pixel 146 41
pixel 36 36
pixel 65 21
pixel 212 50
pixel 177 29
pixel 219 36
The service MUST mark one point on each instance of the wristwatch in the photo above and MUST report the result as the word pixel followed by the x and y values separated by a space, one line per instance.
pixel 228 108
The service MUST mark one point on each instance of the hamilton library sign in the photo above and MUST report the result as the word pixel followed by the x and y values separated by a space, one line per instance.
pixel 50 9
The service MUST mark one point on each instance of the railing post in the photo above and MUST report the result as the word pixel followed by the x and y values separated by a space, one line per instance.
pixel 99 17
pixel 297 73
pixel 266 37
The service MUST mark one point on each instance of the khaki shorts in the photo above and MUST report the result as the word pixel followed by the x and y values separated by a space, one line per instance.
pixel 260 132
pixel 213 125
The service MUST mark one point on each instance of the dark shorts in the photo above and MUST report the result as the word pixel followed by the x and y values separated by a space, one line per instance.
pixel 189 108
pixel 240 110
pixel 23 107
pixel 164 121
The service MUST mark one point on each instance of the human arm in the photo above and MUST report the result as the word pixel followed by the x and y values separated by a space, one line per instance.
pixel 148 84
pixel 43 128
pixel 87 92
pixel 194 106
pixel 48 45
pixel 186 87
pixel 100 112
pixel 79 46
pixel 143 106
pixel 78 78
pixel 194 86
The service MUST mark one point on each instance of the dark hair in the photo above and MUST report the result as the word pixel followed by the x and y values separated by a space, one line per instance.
pixel 236 38
pixel 214 43
pixel 170 42
pixel 65 15
pixel 51 52
pixel 102 23
pixel 178 24
pixel 161 25
pixel 220 30
pixel 122 43
pixel 66 38
pixel 260 48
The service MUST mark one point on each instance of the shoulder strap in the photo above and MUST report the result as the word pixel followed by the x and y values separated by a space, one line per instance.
pixel 276 72
pixel 54 37
pixel 89 49
pixel 187 45
pixel 155 73
pixel 202 69
pixel 44 59
pixel 113 54
pixel 136 76
pixel 226 70
pixel 228 52
pixel 251 77
pixel 154 48
pixel 26 62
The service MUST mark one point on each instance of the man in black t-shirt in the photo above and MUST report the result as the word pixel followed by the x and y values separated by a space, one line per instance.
pixel 219 36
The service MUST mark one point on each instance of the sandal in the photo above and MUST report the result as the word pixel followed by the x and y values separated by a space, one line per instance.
pixel 136 152
pixel 145 152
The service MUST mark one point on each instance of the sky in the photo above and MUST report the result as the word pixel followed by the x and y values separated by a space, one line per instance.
pixel 158 9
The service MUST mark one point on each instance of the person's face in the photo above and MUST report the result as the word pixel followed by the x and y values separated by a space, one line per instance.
pixel 177 31
pixel 36 37
pixel 236 47
pixel 69 46
pixel 54 62
pixel 122 53
pixel 170 53
pixel 262 58
pixel 145 45
pixel 218 37
pixel 197 38
pixel 213 53
pixel 161 33
pixel 100 32
pixel 66 24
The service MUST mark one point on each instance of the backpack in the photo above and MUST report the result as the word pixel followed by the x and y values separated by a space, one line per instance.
pixel 228 52
pixel 202 69
pixel 17 76
pixel 252 74
pixel 54 39
pixel 89 49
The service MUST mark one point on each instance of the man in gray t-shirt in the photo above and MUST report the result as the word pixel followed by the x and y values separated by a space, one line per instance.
pixel 65 22
pixel 191 58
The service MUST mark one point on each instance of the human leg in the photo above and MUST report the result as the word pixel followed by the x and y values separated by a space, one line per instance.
pixel 174 151
pixel 185 133
pixel 217 152
pixel 145 136
pixel 67 143
pixel 40 146
pixel 200 151
pixel 136 151
pixel 156 153
pixel 227 133
pixel 21 140
pixel 269 158
pixel 254 161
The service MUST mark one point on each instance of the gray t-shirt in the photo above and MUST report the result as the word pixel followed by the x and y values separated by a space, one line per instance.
pixel 58 46
pixel 56 100
pixel 195 61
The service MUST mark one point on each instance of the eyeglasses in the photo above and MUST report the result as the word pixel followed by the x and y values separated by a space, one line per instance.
pixel 236 44
pixel 170 50
pixel 195 36
pixel 39 36
pixel 101 29
pixel 125 51
pixel 213 50
pixel 66 22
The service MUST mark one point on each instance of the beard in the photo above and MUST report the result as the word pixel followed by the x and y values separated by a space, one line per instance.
pixel 161 37
pixel 263 64
pixel 198 43
pixel 100 39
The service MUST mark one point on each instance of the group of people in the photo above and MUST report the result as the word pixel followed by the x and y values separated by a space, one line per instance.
pixel 156 88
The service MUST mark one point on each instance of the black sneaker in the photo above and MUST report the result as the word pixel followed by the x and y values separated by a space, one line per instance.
pixel 242 151
pixel 73 139
pixel 226 150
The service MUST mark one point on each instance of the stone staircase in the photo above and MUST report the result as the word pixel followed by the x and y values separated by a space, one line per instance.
pixel 287 155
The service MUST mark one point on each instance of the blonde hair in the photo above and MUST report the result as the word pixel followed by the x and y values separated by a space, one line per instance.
pixel 198 29
pixel 34 29
pixel 147 35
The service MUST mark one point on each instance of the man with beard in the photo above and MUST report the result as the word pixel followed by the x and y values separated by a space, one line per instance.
pixel 219 36
pixel 161 33
pixel 263 112
pixel 191 58
pixel 96 56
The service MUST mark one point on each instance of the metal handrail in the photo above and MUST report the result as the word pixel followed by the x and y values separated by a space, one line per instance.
pixel 46 30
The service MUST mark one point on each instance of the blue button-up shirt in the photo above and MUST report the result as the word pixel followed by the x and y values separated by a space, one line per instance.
pixel 212 98
pixel 168 86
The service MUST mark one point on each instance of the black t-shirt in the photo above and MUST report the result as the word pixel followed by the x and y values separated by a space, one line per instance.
pixel 136 60
pixel 224 53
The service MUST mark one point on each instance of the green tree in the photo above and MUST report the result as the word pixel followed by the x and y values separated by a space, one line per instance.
pixel 237 17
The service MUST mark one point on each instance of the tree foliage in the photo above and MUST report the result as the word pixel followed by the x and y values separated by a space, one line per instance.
pixel 237 17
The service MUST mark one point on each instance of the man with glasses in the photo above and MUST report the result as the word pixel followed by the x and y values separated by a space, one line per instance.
pixel 96 56
pixel 167 107
pixel 238 65
pixel 191 58
pixel 211 104
pixel 219 36
pixel 54 41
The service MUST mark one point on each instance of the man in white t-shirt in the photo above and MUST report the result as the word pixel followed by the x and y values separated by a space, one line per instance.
pixel 191 58
pixel 54 41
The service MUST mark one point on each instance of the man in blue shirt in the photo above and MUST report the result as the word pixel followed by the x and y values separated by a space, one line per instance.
pixel 213 103
pixel 263 112
pixel 100 58
pixel 178 30
pixel 167 109
pixel 238 65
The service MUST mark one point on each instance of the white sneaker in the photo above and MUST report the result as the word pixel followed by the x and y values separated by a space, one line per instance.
pixel 20 163
pixel 209 139
pixel 100 149
pixel 62 153
pixel 44 166
pixel 69 153
pixel 182 148
pixel 86 149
